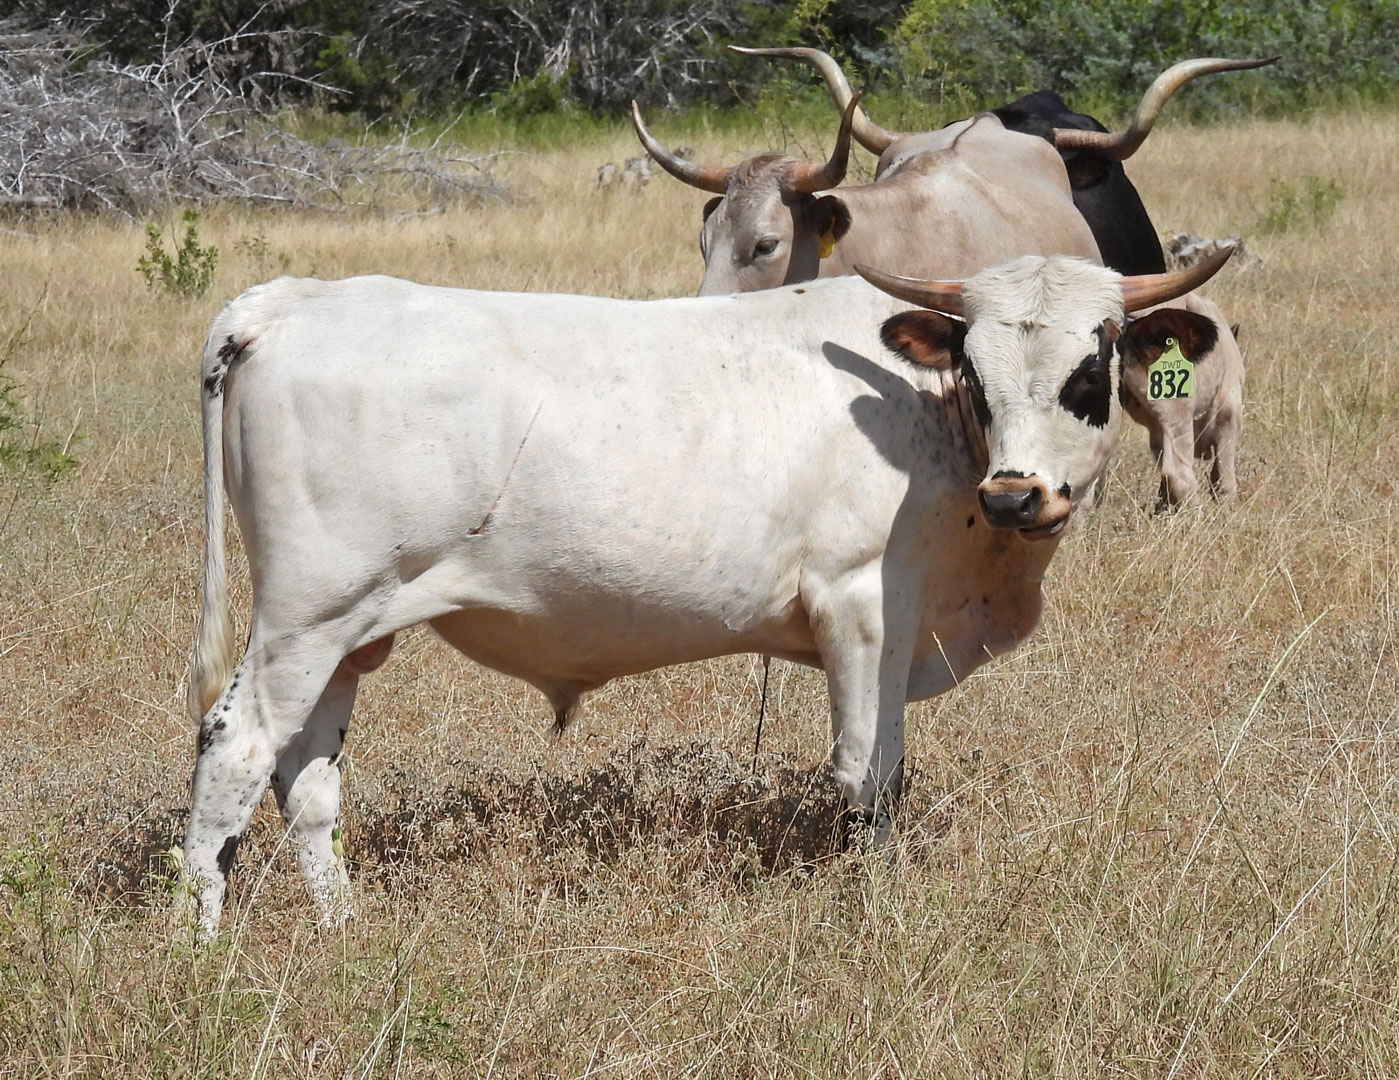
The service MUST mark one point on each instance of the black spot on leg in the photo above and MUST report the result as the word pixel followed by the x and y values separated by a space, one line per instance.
pixel 226 853
pixel 971 520
pixel 208 731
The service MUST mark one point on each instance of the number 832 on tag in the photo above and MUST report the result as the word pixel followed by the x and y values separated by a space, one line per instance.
pixel 1171 376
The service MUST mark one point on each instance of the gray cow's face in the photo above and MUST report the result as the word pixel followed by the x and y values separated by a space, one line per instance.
pixel 769 226
pixel 759 236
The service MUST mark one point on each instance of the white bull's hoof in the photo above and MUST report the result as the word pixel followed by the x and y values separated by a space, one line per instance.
pixel 868 831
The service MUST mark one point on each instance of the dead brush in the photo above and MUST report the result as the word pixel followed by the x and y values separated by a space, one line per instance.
pixel 82 133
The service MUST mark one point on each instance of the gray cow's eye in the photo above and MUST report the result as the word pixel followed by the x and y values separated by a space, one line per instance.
pixel 765 247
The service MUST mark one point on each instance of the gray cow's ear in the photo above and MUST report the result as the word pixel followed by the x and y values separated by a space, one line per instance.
pixel 830 214
pixel 1144 339
pixel 711 206
pixel 929 338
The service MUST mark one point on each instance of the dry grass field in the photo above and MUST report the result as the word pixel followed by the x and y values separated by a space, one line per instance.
pixel 1159 841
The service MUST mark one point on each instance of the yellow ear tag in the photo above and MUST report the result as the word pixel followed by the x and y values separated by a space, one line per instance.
pixel 828 241
pixel 1171 376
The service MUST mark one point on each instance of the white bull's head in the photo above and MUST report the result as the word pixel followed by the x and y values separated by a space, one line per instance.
pixel 1035 342
pixel 768 227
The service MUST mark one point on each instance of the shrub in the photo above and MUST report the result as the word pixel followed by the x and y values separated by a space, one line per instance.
pixel 1311 203
pixel 190 273
pixel 22 446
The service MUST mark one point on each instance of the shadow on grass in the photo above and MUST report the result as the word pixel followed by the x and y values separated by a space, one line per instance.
pixel 782 818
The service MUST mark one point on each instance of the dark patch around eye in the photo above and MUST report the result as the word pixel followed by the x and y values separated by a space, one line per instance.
pixel 1087 393
pixel 977 393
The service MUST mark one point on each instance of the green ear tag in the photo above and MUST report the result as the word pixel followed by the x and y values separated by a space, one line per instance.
pixel 1171 376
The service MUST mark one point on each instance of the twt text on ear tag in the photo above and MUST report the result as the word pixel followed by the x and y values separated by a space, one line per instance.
pixel 828 241
pixel 1171 376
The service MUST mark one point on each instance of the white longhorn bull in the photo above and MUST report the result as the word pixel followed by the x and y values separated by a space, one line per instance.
pixel 569 489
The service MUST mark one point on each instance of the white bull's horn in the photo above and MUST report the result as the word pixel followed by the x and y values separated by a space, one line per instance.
pixel 805 178
pixel 1120 145
pixel 1146 289
pixel 867 133
pixel 944 296
pixel 705 177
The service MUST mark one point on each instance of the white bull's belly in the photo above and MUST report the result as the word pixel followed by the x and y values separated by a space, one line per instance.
pixel 552 650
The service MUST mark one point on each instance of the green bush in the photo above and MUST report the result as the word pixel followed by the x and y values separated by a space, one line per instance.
pixel 190 273
pixel 1101 54
pixel 539 95
pixel 23 447
pixel 1312 203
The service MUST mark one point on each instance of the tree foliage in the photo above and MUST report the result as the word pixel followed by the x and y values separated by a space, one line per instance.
pixel 519 56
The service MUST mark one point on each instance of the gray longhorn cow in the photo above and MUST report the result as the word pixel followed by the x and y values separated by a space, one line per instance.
pixel 975 195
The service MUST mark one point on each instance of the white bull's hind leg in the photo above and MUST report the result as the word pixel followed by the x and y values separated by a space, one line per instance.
pixel 242 737
pixel 866 646
pixel 306 782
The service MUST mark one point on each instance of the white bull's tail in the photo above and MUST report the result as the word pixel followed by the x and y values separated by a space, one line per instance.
pixel 211 662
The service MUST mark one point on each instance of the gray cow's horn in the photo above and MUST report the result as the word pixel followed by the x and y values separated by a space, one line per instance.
pixel 944 296
pixel 1120 145
pixel 705 177
pixel 804 179
pixel 1147 289
pixel 867 133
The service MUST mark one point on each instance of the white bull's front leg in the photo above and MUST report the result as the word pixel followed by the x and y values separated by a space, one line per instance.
pixel 865 632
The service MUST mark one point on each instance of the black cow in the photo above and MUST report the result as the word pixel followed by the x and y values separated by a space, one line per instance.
pixel 1107 200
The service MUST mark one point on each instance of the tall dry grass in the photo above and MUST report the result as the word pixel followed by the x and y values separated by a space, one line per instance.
pixel 1158 841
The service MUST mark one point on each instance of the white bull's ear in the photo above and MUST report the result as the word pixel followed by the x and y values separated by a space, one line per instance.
pixel 1144 339
pixel 929 338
